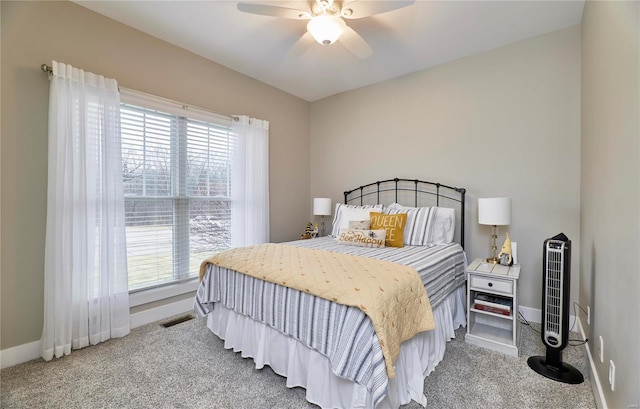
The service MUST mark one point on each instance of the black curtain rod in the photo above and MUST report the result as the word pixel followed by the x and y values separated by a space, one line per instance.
pixel 49 70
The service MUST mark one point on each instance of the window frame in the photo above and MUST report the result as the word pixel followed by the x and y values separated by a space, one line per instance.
pixel 184 112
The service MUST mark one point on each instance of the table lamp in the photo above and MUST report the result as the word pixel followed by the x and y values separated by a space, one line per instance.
pixel 321 207
pixel 494 211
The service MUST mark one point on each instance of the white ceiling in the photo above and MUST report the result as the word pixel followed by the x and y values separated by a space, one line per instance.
pixel 406 40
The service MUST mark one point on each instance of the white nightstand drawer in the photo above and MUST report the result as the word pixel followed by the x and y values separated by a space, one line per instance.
pixel 492 284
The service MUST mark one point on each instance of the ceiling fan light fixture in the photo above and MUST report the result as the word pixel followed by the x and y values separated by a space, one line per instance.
pixel 326 29
pixel 325 4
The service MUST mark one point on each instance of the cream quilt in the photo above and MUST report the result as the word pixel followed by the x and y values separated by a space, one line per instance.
pixel 392 295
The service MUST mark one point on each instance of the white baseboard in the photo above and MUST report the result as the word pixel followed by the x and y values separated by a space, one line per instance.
pixel 596 385
pixel 19 354
pixel 162 312
pixel 531 314
pixel 27 352
pixel 535 315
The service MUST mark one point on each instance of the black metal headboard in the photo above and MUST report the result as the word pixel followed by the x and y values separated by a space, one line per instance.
pixel 411 192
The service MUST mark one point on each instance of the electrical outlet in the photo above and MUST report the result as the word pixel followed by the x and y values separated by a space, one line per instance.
pixel 612 375
pixel 601 349
pixel 588 315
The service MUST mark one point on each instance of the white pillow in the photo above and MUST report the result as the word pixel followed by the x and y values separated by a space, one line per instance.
pixel 344 213
pixel 427 226
pixel 418 230
pixel 360 224
pixel 447 217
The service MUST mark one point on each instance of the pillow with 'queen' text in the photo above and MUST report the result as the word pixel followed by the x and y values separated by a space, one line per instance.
pixel 393 224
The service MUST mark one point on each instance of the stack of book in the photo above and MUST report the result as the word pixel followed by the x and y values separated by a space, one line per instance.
pixel 492 303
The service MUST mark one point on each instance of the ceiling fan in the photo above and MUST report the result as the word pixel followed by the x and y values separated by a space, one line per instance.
pixel 326 21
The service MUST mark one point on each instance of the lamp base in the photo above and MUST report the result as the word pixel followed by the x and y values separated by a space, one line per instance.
pixel 492 260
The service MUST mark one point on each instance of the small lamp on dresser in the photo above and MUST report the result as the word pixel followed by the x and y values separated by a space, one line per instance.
pixel 494 211
pixel 322 207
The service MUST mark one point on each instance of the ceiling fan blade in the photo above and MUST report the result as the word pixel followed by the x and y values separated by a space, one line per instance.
pixel 355 43
pixel 274 11
pixel 300 47
pixel 358 9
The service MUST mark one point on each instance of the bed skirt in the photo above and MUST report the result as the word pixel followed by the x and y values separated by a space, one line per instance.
pixel 311 370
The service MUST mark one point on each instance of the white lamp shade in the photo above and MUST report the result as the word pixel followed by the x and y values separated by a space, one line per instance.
pixel 326 29
pixel 494 211
pixel 321 206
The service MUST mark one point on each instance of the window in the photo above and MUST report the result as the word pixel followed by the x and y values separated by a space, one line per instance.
pixel 176 169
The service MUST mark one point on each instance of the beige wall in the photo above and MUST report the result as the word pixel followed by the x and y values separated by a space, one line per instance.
pixel 501 123
pixel 504 122
pixel 38 32
pixel 610 192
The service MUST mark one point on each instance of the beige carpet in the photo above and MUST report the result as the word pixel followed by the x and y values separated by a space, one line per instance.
pixel 186 366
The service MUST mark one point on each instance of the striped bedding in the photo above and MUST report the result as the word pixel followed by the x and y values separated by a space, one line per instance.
pixel 343 334
pixel 441 267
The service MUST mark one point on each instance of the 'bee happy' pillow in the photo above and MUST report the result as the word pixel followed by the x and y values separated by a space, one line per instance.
pixel 362 238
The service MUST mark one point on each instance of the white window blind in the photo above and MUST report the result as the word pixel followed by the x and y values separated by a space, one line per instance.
pixel 177 189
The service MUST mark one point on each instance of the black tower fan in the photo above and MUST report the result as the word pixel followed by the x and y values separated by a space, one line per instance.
pixel 556 274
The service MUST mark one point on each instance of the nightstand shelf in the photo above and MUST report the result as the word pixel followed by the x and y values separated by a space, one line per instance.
pixel 490 333
pixel 492 306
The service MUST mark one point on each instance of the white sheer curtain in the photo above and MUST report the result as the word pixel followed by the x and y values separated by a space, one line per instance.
pixel 250 182
pixel 86 298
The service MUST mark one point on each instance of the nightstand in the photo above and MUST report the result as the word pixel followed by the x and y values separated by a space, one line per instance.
pixel 492 306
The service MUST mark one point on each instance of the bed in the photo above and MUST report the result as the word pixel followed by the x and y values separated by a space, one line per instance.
pixel 336 351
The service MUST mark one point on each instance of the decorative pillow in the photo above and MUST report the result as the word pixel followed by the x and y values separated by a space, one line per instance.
pixel 446 219
pixel 360 224
pixel 426 226
pixel 419 228
pixel 362 238
pixel 393 224
pixel 344 213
